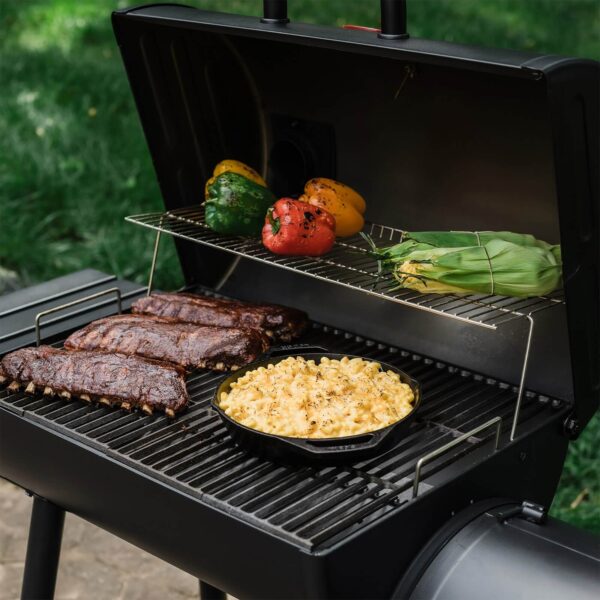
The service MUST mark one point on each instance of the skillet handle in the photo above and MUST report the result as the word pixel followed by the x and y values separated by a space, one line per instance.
pixel 363 442
pixel 291 348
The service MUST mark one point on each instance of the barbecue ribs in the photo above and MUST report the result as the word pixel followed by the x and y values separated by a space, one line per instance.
pixel 127 381
pixel 189 346
pixel 278 322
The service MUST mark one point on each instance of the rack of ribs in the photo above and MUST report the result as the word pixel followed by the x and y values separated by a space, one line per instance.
pixel 278 322
pixel 112 379
pixel 186 345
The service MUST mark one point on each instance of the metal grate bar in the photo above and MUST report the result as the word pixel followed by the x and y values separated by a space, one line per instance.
pixel 266 491
pixel 294 499
pixel 350 265
pixel 240 474
pixel 324 529
pixel 190 460
pixel 336 498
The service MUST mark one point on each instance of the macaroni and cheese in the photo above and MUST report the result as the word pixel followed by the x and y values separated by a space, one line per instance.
pixel 335 398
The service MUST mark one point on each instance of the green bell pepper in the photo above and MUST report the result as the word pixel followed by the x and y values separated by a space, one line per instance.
pixel 236 205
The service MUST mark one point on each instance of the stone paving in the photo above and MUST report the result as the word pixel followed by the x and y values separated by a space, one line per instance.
pixel 93 565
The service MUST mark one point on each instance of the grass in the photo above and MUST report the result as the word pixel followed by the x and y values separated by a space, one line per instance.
pixel 74 160
pixel 581 481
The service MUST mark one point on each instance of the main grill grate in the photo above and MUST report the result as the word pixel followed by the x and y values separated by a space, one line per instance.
pixel 309 506
pixel 350 265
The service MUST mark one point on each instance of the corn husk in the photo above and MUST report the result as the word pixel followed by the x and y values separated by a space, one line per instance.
pixel 498 267
pixel 462 239
pixel 429 240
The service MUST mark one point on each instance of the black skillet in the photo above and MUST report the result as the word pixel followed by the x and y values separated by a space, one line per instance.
pixel 297 450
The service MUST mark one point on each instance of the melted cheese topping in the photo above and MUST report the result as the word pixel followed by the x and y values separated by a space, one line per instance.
pixel 335 398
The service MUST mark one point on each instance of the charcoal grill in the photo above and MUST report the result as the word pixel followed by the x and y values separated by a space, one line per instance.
pixel 436 136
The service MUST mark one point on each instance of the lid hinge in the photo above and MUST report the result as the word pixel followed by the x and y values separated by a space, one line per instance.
pixel 572 427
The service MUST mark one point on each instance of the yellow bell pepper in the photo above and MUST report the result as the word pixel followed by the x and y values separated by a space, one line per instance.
pixel 234 166
pixel 344 203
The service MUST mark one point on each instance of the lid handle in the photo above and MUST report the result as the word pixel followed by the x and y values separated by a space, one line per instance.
pixel 393 17
pixel 274 11
pixel 393 20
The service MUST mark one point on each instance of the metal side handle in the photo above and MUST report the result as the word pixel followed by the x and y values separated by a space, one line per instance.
pixel 497 421
pixel 38 317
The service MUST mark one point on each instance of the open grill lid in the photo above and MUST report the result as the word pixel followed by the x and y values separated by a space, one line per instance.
pixel 434 135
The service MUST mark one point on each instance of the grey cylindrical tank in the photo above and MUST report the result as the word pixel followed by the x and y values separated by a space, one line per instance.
pixel 495 559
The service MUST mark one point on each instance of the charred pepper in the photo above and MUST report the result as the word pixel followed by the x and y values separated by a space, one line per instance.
pixel 236 205
pixel 295 228
pixel 234 166
pixel 344 203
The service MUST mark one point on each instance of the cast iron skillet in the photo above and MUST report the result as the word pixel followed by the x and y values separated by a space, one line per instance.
pixel 303 450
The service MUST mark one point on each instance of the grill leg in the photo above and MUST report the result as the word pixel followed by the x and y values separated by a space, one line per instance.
pixel 43 550
pixel 208 592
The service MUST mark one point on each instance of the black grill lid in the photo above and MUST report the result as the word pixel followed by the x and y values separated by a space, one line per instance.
pixel 435 135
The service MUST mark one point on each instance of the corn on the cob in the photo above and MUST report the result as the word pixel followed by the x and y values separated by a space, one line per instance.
pixel 499 268
pixel 501 263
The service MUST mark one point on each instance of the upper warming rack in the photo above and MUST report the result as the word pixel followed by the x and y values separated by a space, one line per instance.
pixel 349 264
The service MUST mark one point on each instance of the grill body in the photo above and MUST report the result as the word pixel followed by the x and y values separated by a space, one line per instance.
pixel 184 492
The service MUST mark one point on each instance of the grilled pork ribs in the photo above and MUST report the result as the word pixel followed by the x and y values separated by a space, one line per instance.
pixel 278 322
pixel 127 381
pixel 184 344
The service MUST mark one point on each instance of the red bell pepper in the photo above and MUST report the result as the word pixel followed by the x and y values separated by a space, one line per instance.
pixel 296 228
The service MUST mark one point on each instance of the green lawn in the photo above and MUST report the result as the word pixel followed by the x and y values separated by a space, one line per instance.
pixel 73 161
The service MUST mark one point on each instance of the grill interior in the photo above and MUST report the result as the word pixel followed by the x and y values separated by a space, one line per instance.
pixel 312 507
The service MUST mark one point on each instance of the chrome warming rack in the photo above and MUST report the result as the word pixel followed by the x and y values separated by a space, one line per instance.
pixel 350 264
